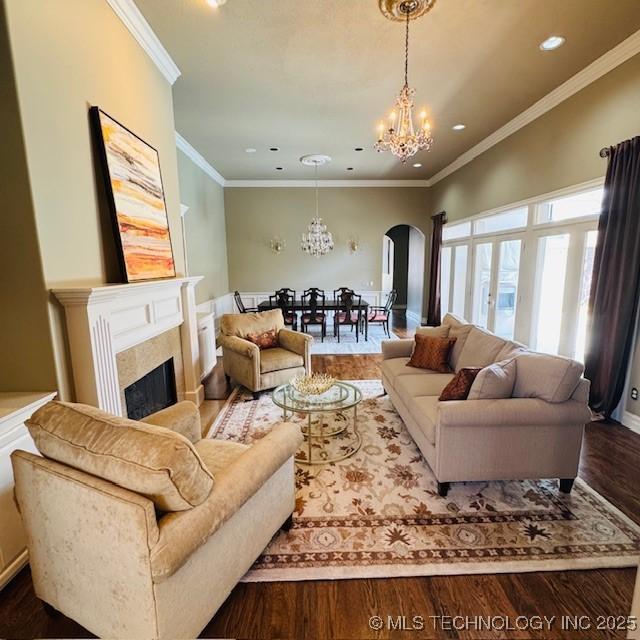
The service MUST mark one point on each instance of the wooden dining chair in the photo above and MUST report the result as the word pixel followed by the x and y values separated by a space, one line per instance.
pixel 313 311
pixel 381 315
pixel 349 311
pixel 240 304
pixel 285 299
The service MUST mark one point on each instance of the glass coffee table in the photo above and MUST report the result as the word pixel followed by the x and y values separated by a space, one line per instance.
pixel 331 434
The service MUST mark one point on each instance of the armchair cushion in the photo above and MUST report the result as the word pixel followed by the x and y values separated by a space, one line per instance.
pixel 242 324
pixel 150 460
pixel 279 358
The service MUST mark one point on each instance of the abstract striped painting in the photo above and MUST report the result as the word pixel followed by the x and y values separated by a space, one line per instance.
pixel 134 186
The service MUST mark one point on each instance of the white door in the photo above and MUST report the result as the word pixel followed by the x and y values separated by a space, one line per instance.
pixel 496 276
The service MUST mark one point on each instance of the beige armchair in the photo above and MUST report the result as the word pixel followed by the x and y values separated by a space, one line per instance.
pixel 112 542
pixel 258 369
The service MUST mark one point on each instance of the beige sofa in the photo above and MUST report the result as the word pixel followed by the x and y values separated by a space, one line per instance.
pixel 258 369
pixel 491 439
pixel 157 562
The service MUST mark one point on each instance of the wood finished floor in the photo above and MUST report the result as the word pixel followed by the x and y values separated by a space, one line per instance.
pixel 342 608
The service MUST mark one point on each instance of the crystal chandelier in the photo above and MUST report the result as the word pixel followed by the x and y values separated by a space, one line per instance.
pixel 317 241
pixel 401 138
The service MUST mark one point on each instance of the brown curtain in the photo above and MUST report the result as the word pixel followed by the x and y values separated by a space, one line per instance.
pixel 433 308
pixel 613 303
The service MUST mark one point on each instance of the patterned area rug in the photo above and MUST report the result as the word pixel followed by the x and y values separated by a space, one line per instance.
pixel 348 344
pixel 377 514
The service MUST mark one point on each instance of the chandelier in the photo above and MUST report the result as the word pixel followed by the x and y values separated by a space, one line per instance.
pixel 317 241
pixel 401 138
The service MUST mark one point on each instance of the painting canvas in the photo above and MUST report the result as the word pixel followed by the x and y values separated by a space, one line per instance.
pixel 134 188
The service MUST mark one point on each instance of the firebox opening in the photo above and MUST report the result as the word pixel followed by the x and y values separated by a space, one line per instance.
pixel 154 391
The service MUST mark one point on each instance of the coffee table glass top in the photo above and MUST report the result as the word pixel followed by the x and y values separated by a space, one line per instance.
pixel 341 395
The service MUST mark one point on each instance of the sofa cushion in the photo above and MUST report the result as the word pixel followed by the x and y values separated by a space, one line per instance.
pixel 510 350
pixel 147 459
pixel 395 367
pixel 451 320
pixel 495 381
pixel 431 353
pixel 409 387
pixel 242 324
pixel 434 332
pixel 480 349
pixel 459 386
pixel 551 378
pixel 424 410
pixel 460 332
pixel 279 358
pixel 218 454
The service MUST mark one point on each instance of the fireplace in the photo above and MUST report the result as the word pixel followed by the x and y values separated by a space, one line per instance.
pixel 154 391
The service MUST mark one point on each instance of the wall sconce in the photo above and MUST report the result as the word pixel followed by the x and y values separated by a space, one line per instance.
pixel 353 245
pixel 277 244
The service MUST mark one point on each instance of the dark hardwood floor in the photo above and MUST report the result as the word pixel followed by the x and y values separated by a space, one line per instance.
pixel 342 608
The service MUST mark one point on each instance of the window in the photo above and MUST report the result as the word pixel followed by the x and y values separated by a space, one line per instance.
pixel 459 285
pixel 505 221
pixel 579 205
pixel 445 279
pixel 585 290
pixel 456 231
pixel 507 289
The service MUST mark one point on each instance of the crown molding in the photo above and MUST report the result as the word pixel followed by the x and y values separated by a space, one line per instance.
pixel 325 183
pixel 196 157
pixel 140 29
pixel 598 68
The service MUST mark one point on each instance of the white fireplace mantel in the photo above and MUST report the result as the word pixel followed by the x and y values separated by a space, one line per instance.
pixel 104 320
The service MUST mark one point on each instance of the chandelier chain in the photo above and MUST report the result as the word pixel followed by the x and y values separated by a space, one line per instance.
pixel 406 51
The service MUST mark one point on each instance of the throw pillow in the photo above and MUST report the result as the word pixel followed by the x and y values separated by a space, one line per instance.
pixel 541 375
pixel 458 388
pixel 431 353
pixel 495 381
pixel 264 340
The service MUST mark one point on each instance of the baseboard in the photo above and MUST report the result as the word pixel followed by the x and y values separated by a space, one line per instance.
pixel 631 421
pixel 12 569
pixel 197 396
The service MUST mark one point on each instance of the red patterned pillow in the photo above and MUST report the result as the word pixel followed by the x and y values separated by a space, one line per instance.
pixel 265 340
pixel 431 353
pixel 460 385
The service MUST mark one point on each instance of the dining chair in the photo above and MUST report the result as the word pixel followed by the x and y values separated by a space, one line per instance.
pixel 240 304
pixel 348 311
pixel 381 315
pixel 313 311
pixel 285 299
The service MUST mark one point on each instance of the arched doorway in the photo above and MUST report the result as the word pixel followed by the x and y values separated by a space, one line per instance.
pixel 403 269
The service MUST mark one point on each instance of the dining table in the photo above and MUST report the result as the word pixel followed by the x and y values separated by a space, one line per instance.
pixel 327 305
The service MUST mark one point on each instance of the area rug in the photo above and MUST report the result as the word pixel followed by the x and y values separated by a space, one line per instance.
pixel 348 344
pixel 377 514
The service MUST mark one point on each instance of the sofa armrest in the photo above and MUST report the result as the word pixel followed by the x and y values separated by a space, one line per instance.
pixel 183 418
pixel 511 411
pixel 397 348
pixel 240 346
pixel 184 532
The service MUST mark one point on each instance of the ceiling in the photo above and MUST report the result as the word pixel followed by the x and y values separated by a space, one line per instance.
pixel 316 76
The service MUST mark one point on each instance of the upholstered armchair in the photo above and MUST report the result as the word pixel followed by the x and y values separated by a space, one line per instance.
pixel 142 530
pixel 259 369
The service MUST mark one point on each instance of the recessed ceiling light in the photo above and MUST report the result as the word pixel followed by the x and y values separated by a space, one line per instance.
pixel 417 165
pixel 358 149
pixel 250 150
pixel 552 42
pixel 274 149
pixel 459 126
pixel 278 168
pixel 349 168
pixel 216 3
